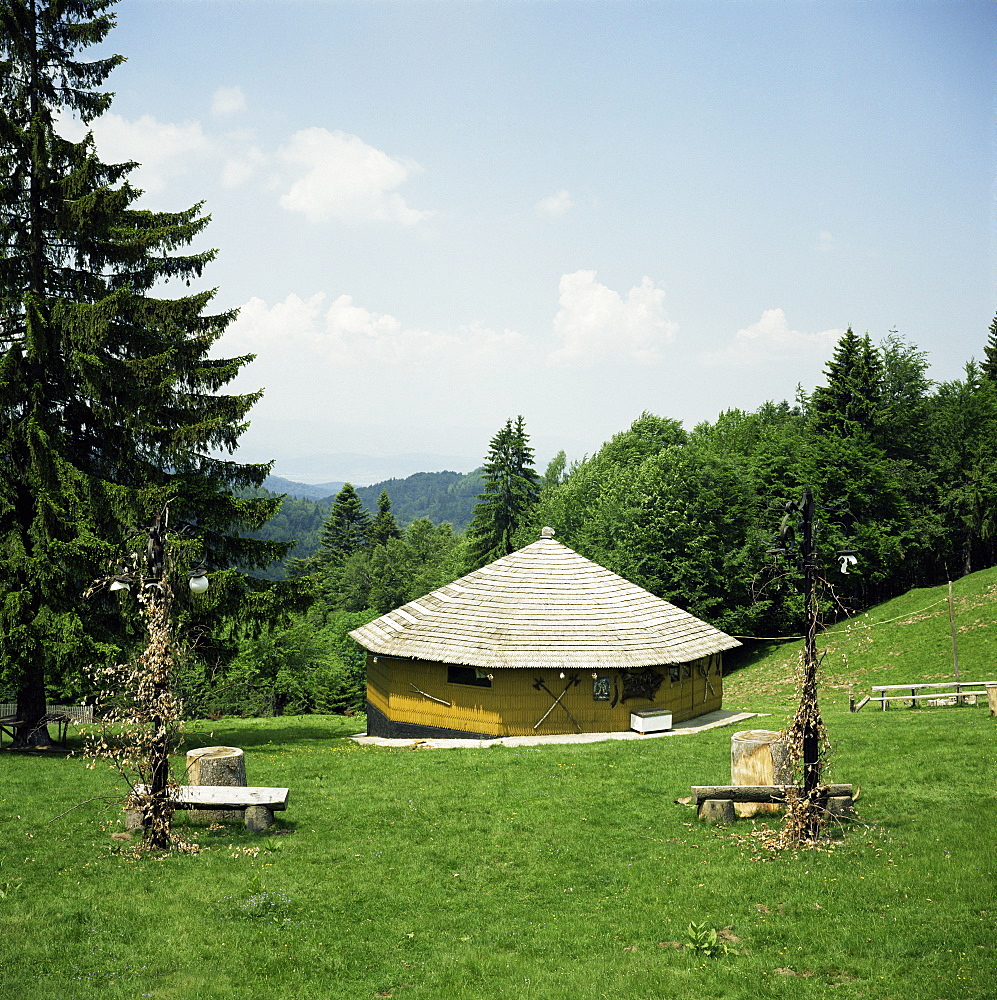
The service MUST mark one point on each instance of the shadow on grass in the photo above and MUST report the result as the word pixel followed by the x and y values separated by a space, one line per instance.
pixel 752 653
pixel 255 733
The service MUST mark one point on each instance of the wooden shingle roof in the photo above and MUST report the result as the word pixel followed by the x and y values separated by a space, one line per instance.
pixel 543 606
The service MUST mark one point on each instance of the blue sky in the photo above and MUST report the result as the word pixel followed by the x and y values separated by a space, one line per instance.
pixel 435 216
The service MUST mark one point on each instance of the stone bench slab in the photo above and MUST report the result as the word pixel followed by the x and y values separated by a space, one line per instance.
pixel 228 797
pixel 258 803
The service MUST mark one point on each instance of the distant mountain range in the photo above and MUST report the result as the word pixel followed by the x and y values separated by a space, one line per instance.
pixel 364 470
pixel 440 496
pixel 302 491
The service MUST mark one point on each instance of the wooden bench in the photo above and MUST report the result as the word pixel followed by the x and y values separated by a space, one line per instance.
pixel 258 804
pixel 715 803
pixel 921 692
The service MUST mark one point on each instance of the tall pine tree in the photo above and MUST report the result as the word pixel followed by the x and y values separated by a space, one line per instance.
pixel 989 367
pixel 346 529
pixel 512 487
pixel 850 402
pixel 384 525
pixel 109 403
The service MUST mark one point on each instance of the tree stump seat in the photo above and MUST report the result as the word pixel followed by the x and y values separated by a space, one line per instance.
pixel 256 804
pixel 216 766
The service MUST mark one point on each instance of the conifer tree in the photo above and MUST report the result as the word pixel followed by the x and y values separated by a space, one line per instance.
pixel 512 487
pixel 384 525
pixel 989 367
pixel 850 402
pixel 902 429
pixel 346 529
pixel 109 403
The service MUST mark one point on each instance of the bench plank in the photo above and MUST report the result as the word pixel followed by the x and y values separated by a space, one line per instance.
pixel 226 797
pixel 760 793
pixel 940 684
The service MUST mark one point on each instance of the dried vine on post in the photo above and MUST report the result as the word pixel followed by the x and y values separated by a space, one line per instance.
pixel 806 736
pixel 141 726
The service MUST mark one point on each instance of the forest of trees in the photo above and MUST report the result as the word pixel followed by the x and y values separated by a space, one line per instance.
pixel 903 470
pixel 437 496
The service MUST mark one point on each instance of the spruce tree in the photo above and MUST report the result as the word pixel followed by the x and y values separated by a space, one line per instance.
pixel 346 529
pixel 512 487
pixel 384 525
pixel 850 402
pixel 989 367
pixel 109 403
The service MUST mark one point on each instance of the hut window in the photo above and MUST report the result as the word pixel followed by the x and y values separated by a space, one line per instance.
pixel 686 671
pixel 469 675
pixel 601 688
pixel 673 674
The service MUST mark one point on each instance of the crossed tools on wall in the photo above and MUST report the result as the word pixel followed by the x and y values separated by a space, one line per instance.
pixel 539 685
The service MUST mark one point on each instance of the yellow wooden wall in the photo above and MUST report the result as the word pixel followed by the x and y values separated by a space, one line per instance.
pixel 511 706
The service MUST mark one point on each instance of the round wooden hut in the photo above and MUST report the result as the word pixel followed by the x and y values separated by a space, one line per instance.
pixel 541 641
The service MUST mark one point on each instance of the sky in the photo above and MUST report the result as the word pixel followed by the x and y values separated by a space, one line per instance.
pixel 435 216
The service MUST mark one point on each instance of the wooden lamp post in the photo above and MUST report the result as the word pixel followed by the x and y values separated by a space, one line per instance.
pixel 807 724
pixel 153 678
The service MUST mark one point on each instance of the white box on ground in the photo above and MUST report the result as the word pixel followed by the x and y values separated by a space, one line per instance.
pixel 651 720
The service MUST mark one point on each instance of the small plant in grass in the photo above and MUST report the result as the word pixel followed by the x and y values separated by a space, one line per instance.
pixel 267 907
pixel 705 940
pixel 9 887
pixel 262 905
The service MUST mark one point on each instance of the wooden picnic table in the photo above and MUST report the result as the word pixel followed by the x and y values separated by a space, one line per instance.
pixel 915 692
pixel 8 727
pixel 9 724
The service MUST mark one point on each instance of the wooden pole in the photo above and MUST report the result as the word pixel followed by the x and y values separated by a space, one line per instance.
pixel 811 727
pixel 158 661
pixel 955 649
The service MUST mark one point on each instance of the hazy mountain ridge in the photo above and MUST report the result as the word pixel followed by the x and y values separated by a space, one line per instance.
pixel 367 470
pixel 439 496
pixel 301 491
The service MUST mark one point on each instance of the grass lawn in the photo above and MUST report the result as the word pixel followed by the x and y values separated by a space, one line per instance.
pixel 564 871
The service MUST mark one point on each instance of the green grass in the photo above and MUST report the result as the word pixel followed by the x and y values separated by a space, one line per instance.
pixel 906 639
pixel 558 872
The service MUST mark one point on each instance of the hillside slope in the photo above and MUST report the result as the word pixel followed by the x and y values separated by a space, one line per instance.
pixel 907 639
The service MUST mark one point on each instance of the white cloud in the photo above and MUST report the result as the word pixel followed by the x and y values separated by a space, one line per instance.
pixel 556 205
pixel 346 179
pixel 595 322
pixel 771 339
pixel 228 101
pixel 325 175
pixel 285 327
pixel 245 161
pixel 163 149
pixel 825 242
pixel 317 336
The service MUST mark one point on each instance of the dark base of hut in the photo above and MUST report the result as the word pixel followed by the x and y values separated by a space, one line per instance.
pixel 378 724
